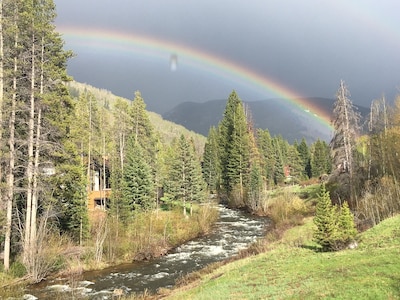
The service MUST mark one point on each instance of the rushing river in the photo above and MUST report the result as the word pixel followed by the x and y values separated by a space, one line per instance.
pixel 233 231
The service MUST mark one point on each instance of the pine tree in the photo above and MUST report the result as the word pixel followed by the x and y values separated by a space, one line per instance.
pixel 121 128
pixel 305 156
pixel 138 185
pixel 142 129
pixel 211 163
pixel 255 189
pixel 70 199
pixel 325 220
pixel 295 164
pixel 265 146
pixel 197 183
pixel 346 228
pixel 320 159
pixel 235 146
pixel 185 182
pixel 120 206
pixel 279 160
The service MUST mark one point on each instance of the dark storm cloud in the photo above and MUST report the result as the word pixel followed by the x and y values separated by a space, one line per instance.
pixel 307 46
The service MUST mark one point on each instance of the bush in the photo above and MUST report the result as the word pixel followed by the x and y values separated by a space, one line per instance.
pixel 379 201
pixel 288 210
pixel 17 269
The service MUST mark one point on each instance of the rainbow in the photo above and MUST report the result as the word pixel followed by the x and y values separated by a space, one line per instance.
pixel 201 60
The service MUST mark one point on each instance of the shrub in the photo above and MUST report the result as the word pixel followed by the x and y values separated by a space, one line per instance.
pixel 287 209
pixel 17 269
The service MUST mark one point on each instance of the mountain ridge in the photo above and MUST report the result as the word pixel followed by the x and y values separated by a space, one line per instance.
pixel 276 115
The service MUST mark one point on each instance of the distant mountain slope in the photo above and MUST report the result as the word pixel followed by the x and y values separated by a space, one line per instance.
pixel 280 117
pixel 168 130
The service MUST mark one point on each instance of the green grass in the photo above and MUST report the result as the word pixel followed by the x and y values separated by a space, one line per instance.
pixel 307 192
pixel 294 270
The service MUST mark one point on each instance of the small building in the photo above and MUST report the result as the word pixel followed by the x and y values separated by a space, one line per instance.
pixel 99 189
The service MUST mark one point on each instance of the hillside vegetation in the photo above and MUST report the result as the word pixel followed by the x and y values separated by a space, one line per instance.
pixel 167 129
pixel 293 270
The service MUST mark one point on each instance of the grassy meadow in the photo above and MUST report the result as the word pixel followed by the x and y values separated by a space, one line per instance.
pixel 292 268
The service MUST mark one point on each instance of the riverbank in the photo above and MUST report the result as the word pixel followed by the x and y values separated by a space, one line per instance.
pixel 150 235
pixel 293 269
pixel 233 231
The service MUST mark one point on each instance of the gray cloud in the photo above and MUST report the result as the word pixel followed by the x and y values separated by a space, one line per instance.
pixel 307 46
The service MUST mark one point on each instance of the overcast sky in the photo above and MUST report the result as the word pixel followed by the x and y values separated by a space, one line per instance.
pixel 307 46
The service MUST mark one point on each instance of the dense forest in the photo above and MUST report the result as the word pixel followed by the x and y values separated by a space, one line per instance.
pixel 62 142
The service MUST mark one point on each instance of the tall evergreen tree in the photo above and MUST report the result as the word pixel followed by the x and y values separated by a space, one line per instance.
pixel 295 164
pixel 121 128
pixel 138 185
pixel 211 163
pixel 265 146
pixel 279 160
pixel 255 187
pixel 235 146
pixel 197 182
pixel 142 129
pixel 185 182
pixel 320 159
pixel 305 156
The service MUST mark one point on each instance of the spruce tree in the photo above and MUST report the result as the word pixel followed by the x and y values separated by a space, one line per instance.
pixel 255 187
pixel 121 129
pixel 71 201
pixel 346 228
pixel 120 206
pixel 137 186
pixel 235 146
pixel 197 182
pixel 142 129
pixel 320 159
pixel 305 156
pixel 325 221
pixel 211 163
pixel 185 182
pixel 264 143
pixel 295 164
pixel 279 160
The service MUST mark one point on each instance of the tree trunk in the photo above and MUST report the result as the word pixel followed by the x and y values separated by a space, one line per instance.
pixel 11 163
pixel 1 95
pixel 30 168
pixel 89 146
pixel 35 174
